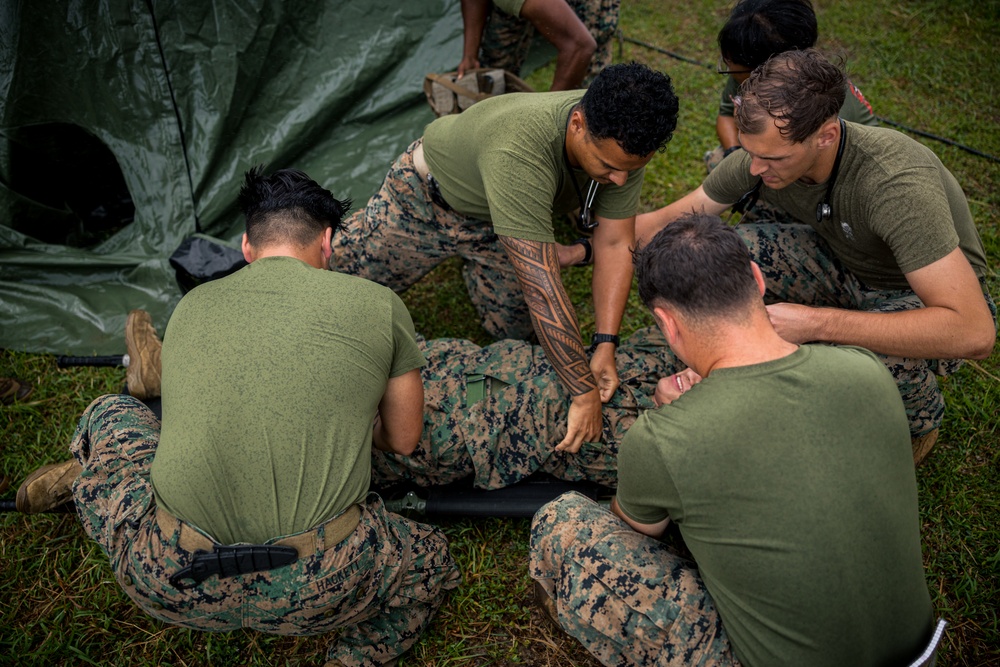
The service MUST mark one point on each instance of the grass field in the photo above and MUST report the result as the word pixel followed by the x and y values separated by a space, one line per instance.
pixel 930 65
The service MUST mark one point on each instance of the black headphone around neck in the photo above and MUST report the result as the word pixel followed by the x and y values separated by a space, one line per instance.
pixel 824 211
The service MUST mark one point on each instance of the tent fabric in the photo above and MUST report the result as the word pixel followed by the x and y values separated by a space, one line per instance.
pixel 187 95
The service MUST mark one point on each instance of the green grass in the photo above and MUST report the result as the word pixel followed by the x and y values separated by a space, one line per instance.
pixel 927 64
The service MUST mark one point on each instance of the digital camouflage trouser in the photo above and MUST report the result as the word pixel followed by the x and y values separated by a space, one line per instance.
pixel 512 431
pixel 799 267
pixel 373 593
pixel 403 233
pixel 626 597
pixel 506 38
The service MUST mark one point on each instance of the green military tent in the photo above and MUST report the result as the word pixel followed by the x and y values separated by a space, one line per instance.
pixel 126 126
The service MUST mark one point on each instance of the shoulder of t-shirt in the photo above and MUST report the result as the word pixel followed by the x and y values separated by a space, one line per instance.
pixel 734 170
pixel 887 151
pixel 845 358
pixel 539 128
pixel 523 105
pixel 509 119
pixel 839 351
pixel 854 93
pixel 356 284
pixel 204 290
pixel 726 107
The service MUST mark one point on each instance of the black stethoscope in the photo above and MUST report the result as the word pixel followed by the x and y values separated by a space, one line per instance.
pixel 824 211
pixel 584 222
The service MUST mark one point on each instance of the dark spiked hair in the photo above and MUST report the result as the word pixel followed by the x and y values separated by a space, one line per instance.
pixel 287 207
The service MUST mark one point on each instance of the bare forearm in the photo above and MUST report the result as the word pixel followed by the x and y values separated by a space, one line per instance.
pixel 612 278
pixel 552 314
pixel 648 224
pixel 725 127
pixel 923 333
pixel 571 67
pixel 474 13
pixel 955 322
pixel 556 22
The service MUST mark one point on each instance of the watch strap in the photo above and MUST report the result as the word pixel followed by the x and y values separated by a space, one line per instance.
pixel 604 338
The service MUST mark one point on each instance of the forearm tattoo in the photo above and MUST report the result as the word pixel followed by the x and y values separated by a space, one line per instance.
pixel 552 314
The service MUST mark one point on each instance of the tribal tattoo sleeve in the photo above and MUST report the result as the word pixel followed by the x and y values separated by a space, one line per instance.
pixel 552 314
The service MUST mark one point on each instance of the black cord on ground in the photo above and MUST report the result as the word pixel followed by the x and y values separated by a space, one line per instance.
pixel 658 49
pixel 911 130
pixel 943 140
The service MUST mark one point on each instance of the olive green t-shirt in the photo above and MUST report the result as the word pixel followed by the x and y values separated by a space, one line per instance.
pixel 792 483
pixel 502 160
pixel 512 7
pixel 271 380
pixel 896 207
pixel 855 108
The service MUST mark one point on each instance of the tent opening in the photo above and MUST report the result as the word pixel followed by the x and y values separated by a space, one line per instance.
pixel 77 193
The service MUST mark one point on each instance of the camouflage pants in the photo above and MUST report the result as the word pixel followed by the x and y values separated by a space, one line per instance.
pixel 799 267
pixel 511 431
pixel 373 593
pixel 403 233
pixel 626 597
pixel 506 38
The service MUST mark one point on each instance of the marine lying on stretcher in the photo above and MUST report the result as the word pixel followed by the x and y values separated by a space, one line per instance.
pixel 492 418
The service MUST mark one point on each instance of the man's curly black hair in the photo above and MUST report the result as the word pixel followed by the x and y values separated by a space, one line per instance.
pixel 287 206
pixel 632 104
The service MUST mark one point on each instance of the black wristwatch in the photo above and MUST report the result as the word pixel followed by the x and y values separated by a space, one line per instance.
pixel 732 149
pixel 604 338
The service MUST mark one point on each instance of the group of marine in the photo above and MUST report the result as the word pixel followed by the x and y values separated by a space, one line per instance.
pixel 775 414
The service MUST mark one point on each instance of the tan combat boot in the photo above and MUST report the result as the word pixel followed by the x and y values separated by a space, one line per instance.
pixel 13 390
pixel 922 446
pixel 143 347
pixel 547 606
pixel 48 487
